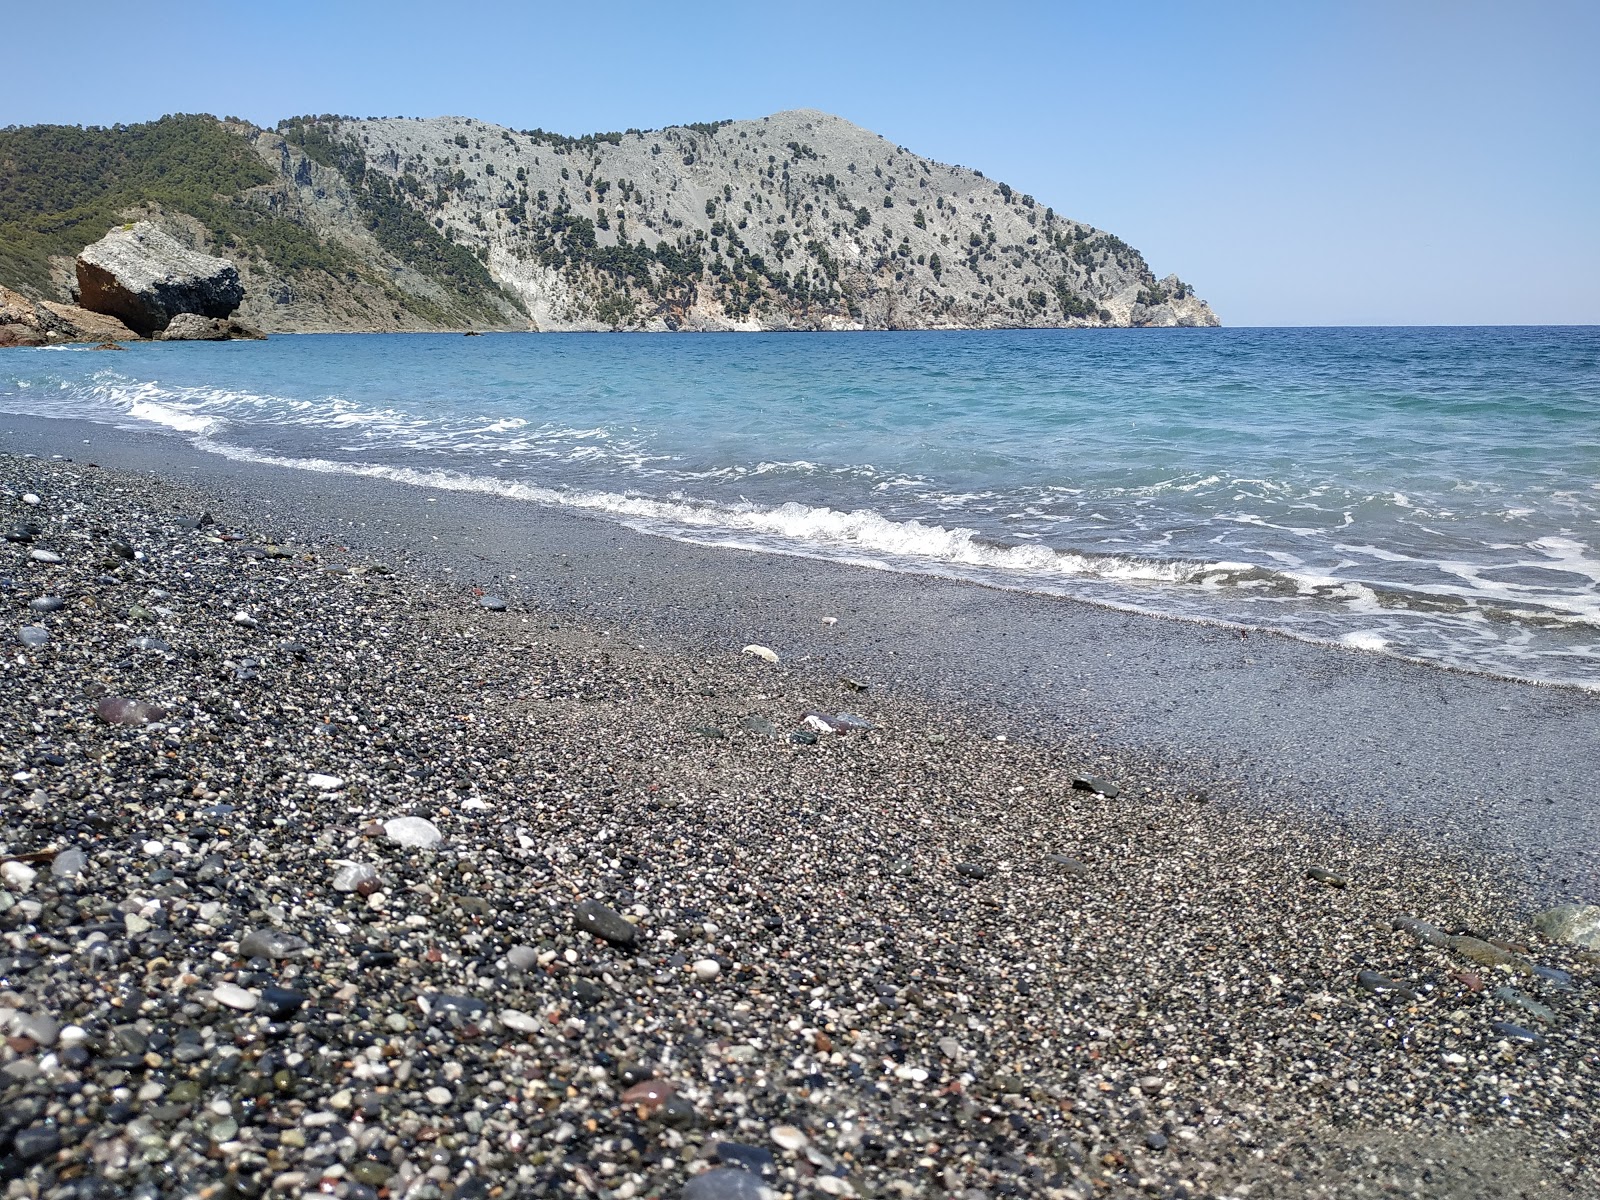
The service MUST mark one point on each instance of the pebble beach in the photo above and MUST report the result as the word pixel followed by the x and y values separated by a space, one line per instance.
pixel 325 874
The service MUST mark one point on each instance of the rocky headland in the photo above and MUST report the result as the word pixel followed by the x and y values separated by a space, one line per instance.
pixel 796 221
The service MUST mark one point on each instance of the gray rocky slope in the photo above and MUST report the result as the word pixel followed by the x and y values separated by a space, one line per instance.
pixel 799 220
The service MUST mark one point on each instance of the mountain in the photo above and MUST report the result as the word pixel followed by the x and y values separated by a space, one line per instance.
pixel 799 220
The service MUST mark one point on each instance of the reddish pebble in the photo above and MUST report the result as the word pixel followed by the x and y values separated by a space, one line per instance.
pixel 1468 980
pixel 651 1094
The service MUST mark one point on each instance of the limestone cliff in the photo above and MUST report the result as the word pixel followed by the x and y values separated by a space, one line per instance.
pixel 799 220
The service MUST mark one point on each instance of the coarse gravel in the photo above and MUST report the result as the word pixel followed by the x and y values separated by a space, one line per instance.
pixel 324 877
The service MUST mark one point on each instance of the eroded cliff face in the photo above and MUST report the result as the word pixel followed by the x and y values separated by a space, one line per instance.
pixel 795 221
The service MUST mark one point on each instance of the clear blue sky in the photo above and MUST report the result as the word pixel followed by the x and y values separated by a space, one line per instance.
pixel 1396 162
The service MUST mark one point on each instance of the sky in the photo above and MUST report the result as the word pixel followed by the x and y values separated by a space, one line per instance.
pixel 1404 162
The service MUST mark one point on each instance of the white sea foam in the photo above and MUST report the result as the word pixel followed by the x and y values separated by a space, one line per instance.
pixel 175 418
pixel 860 531
pixel 1361 639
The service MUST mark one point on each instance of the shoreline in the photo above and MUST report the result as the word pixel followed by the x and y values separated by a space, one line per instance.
pixel 911 959
pixel 1498 765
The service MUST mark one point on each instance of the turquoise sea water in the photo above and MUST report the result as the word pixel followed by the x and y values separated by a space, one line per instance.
pixel 1432 493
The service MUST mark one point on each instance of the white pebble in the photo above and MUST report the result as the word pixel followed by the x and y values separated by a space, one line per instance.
pixel 71 1035
pixel 324 783
pixel 788 1137
pixel 18 875
pixel 45 556
pixel 243 618
pixel 522 1022
pixel 761 652
pixel 707 969
pixel 29 498
pixel 153 848
pixel 350 876
pixel 438 1095
pixel 413 831
pixel 234 996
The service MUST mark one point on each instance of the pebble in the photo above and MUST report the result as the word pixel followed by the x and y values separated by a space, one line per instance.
pixel 788 1137
pixel 1071 866
pixel 350 876
pixel 1516 1033
pixel 1092 783
pixel 522 1022
pixel 759 725
pixel 234 996
pixel 118 710
pixel 1430 935
pixel 69 864
pixel 324 783
pixel 1527 1003
pixel 41 1027
pixel 593 917
pixel 764 653
pixel 30 1145
pixel 282 1003
pixel 1572 924
pixel 244 619
pixel 492 603
pixel 972 870
pixel 270 943
pixel 439 1096
pixel 650 1094
pixel 46 604
pixel 44 556
pixel 1374 982
pixel 18 875
pixel 755 1159
pixel 707 969
pixel 1327 877
pixel 724 1183
pixel 417 832
pixel 30 498
pixel 33 636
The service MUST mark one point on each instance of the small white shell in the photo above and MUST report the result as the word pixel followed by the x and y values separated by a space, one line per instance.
pixel 761 652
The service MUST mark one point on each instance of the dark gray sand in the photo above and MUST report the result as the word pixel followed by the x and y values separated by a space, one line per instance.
pixel 912 960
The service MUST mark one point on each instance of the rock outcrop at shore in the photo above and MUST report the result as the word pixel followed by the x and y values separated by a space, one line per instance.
pixel 28 322
pixel 145 278
pixel 192 327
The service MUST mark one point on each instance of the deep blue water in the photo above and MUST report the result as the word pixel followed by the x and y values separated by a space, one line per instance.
pixel 1424 492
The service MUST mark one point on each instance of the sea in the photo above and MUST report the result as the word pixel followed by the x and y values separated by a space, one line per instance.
pixel 1432 494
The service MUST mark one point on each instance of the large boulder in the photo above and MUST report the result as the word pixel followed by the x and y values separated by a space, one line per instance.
pixel 24 322
pixel 144 278
pixel 192 327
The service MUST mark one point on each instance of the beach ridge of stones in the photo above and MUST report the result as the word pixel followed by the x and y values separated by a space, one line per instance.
pixel 388 891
